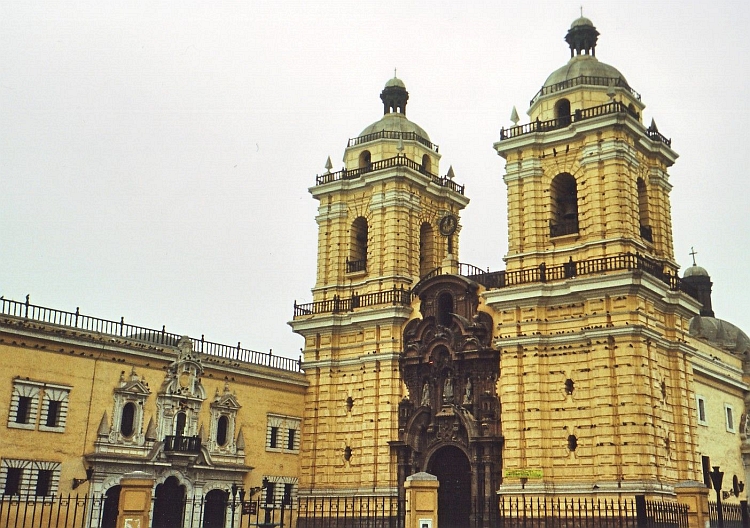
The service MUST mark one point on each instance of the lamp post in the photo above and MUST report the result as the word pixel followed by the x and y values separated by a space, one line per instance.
pixel 234 498
pixel 716 478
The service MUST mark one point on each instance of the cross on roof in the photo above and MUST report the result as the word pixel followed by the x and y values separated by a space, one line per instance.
pixel 693 253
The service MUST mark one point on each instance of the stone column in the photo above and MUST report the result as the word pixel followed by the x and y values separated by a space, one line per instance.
pixel 135 500
pixel 421 501
pixel 695 495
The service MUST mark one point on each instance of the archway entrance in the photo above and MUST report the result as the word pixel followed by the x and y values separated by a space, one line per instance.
pixel 216 509
pixel 169 504
pixel 111 506
pixel 453 471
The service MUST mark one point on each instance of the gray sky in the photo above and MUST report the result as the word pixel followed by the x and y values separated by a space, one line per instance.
pixel 155 156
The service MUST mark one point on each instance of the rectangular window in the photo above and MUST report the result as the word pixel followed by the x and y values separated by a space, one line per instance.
pixel 53 414
pixel 729 411
pixel 290 439
pixel 22 411
pixel 282 435
pixel 43 482
pixel 287 499
pixel 273 440
pixel 701 406
pixel 13 481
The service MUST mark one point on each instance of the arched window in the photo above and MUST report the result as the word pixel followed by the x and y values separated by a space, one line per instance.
pixel 221 430
pixel 358 246
pixel 127 420
pixel 365 160
pixel 643 219
pixel 426 164
pixel 562 112
pixel 444 308
pixel 563 205
pixel 426 249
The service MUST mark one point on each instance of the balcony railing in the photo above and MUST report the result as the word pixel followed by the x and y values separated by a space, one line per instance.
pixel 396 296
pixel 564 227
pixel 26 310
pixel 182 444
pixel 392 134
pixel 584 80
pixel 564 121
pixel 398 161
pixel 657 136
pixel 353 266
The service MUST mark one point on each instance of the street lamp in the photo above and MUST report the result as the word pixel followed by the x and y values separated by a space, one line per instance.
pixel 716 478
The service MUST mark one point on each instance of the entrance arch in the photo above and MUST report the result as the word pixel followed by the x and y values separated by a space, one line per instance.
pixel 111 506
pixel 169 504
pixel 451 467
pixel 216 509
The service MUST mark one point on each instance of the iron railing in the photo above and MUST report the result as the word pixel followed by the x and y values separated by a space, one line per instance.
pixel 590 512
pixel 388 163
pixel 182 444
pixel 393 134
pixel 28 311
pixel 732 515
pixel 584 80
pixel 69 511
pixel 396 296
pixel 351 512
pixel 658 136
pixel 353 266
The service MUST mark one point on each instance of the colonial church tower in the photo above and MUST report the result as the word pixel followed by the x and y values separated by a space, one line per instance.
pixel 590 317
pixel 585 177
pixel 384 221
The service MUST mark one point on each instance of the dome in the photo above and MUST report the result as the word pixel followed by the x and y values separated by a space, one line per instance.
pixel 720 333
pixel 395 82
pixel 586 66
pixel 395 122
pixel 695 271
pixel 581 21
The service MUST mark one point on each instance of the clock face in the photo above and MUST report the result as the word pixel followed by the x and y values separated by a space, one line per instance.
pixel 448 225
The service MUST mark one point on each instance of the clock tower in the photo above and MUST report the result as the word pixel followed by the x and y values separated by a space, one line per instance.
pixel 385 220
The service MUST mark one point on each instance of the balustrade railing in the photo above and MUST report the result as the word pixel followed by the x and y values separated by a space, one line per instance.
pixel 393 134
pixel 396 296
pixel 182 444
pixel 120 328
pixel 584 80
pixel 353 266
pixel 614 107
pixel 397 161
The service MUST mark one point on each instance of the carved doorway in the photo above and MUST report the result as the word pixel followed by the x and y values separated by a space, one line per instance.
pixel 111 506
pixel 451 467
pixel 216 509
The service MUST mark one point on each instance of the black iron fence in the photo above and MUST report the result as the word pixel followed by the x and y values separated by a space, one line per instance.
pixel 120 328
pixel 559 512
pixel 589 80
pixel 51 512
pixel 732 515
pixel 351 512
pixel 393 134
pixel 396 296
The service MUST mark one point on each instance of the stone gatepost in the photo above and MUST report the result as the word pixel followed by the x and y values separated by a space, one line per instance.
pixel 695 495
pixel 421 501
pixel 135 500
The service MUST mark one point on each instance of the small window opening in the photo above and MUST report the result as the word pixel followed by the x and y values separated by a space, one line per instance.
pixel 349 403
pixel 270 489
pixel 358 246
pixel 221 431
pixel 645 227
pixel 701 410
pixel 426 166
pixel 274 438
pixel 562 112
pixel 53 413
pixel 569 386
pixel 43 482
pixel 23 411
pixel 287 499
pixel 706 463
pixel 127 420
pixel 445 308
pixel 347 453
pixel 12 481
pixel 572 442
pixel 365 161
pixel 292 434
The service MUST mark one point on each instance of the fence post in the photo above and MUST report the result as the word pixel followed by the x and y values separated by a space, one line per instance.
pixel 135 500
pixel 745 516
pixel 695 496
pixel 640 511
pixel 421 501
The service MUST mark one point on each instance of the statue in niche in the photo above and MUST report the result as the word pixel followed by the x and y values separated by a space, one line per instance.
pixel 448 390
pixel 425 402
pixel 467 391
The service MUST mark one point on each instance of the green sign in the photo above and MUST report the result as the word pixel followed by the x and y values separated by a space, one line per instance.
pixel 523 473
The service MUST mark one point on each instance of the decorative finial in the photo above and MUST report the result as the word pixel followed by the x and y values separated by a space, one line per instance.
pixel 514 116
pixel 394 73
pixel 329 165
pixel 611 90
pixel 400 146
pixel 581 11
pixel 451 174
pixel 693 253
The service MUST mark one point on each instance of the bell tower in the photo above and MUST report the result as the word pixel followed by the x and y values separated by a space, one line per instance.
pixel 385 220
pixel 590 318
pixel 585 177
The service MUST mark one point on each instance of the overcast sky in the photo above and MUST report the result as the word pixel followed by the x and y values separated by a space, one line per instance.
pixel 155 156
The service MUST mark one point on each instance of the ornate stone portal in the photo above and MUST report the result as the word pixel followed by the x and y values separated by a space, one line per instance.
pixel 451 372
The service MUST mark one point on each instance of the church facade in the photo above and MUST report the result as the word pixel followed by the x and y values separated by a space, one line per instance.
pixel 587 367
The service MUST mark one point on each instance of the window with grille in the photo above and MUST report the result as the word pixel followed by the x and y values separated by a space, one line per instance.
pixel 29 478
pixel 35 404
